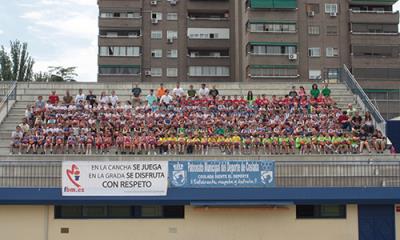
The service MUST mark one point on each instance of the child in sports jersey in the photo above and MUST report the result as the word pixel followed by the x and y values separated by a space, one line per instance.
pixel 108 143
pixel 99 141
pixel 204 144
pixel 275 148
pixel 71 143
pixel 221 143
pixel 48 145
pixel 40 142
pixel 59 145
pixel 32 143
pixel 89 143
pixel 291 144
pixel 151 144
pixel 196 143
pixel 283 141
pixel 235 145
pixel 181 143
pixel 81 143
pixel 119 142
pixel 256 143
pixel 267 142
pixel 127 145
pixel 246 145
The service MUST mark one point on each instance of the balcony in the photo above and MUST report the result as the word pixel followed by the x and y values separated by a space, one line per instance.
pixel 120 40
pixel 374 39
pixel 208 5
pixel 375 61
pixel 120 22
pixel 257 59
pixel 208 43
pixel 114 60
pixel 359 16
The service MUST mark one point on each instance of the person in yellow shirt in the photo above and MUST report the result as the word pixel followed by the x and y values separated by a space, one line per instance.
pixel 204 144
pixel 221 143
pixel 235 143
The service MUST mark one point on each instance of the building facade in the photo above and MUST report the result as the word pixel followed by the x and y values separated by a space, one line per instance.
pixel 225 40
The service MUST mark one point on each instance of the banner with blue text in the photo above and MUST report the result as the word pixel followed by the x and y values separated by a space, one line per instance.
pixel 221 174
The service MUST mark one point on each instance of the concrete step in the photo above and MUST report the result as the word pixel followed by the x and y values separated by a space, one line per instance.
pixel 220 85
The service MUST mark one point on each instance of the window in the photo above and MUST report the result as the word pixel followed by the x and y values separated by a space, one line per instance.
pixel 119 70
pixel 156 53
pixel 119 51
pixel 320 211
pixel 313 30
pixel 314 52
pixel 273 71
pixel 331 30
pixel 156 15
pixel 172 16
pixel 120 15
pixel 117 211
pixel 331 8
pixel 172 53
pixel 172 34
pixel 209 71
pixel 333 73
pixel 314 75
pixel 312 7
pixel 272 50
pixel 332 52
pixel 156 72
pixel 172 72
pixel 273 27
pixel 208 33
pixel 156 34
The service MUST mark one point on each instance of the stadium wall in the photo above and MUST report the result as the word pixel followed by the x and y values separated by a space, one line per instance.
pixel 38 223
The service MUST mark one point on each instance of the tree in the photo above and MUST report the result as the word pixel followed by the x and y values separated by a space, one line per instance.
pixel 62 74
pixel 42 77
pixel 16 65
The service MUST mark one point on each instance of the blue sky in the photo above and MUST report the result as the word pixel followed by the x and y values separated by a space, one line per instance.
pixel 59 32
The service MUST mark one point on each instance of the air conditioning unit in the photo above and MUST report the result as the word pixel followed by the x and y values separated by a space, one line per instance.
pixel 311 14
pixel 154 20
pixel 293 56
pixel 194 54
pixel 147 73
pixel 153 3
pixel 170 40
pixel 173 2
pixel 333 14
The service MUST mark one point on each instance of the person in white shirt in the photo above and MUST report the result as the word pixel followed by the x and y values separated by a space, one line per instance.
pixel 104 98
pixel 80 96
pixel 178 91
pixel 113 98
pixel 204 91
pixel 166 99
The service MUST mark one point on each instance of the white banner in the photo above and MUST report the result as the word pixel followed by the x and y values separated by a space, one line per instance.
pixel 119 178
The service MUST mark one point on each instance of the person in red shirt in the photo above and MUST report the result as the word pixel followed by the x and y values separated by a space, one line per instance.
pixel 53 98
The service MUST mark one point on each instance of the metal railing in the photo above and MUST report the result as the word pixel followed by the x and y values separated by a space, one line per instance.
pixel 362 99
pixel 10 94
pixel 312 174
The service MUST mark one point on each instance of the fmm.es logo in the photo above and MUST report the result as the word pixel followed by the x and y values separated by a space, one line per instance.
pixel 73 175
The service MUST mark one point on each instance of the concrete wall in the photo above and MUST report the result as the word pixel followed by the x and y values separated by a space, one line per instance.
pixel 29 222
pixel 23 222
pixel 397 222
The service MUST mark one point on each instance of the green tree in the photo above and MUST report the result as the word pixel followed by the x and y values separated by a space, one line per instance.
pixel 63 74
pixel 16 65
pixel 42 77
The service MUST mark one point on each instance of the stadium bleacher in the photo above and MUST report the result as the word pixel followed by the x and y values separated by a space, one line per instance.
pixel 271 123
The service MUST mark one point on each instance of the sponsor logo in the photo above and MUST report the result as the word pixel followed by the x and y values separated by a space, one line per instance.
pixel 73 175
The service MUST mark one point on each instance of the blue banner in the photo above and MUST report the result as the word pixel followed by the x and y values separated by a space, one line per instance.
pixel 221 174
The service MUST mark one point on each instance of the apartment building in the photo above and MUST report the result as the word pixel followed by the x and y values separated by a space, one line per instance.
pixel 248 40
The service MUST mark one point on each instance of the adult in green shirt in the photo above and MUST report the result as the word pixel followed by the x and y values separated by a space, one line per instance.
pixel 314 91
pixel 326 91
pixel 191 92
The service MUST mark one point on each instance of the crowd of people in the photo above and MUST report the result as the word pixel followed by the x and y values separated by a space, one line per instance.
pixel 195 122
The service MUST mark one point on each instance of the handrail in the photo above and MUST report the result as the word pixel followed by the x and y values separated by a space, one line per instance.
pixel 10 95
pixel 363 100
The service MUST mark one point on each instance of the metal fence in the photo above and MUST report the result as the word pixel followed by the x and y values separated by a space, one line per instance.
pixel 9 89
pixel 362 98
pixel 46 174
